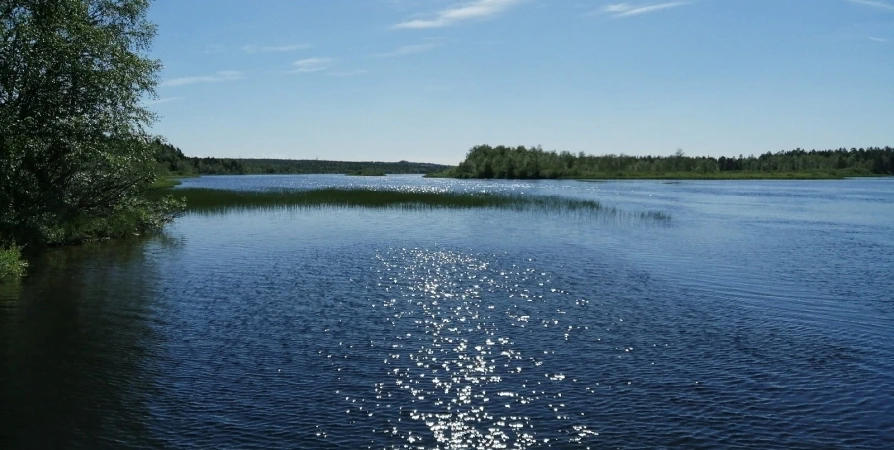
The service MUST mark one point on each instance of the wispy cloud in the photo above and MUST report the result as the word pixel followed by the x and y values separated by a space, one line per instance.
pixel 478 9
pixel 274 48
pixel 224 75
pixel 310 65
pixel 406 50
pixel 628 10
pixel 162 100
pixel 876 39
pixel 878 4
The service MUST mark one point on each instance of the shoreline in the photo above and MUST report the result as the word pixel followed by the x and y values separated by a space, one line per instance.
pixel 732 176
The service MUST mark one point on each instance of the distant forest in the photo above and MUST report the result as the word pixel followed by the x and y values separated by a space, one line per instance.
pixel 485 161
pixel 170 160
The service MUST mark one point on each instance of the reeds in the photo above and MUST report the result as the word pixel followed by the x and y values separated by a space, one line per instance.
pixel 202 200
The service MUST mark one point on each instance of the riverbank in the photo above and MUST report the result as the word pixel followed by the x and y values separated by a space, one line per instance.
pixel 730 175
pixel 503 162
pixel 172 160
pixel 835 175
pixel 144 215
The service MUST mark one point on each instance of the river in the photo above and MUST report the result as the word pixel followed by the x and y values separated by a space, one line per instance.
pixel 760 315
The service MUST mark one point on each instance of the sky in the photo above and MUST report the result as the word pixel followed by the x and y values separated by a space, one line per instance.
pixel 426 80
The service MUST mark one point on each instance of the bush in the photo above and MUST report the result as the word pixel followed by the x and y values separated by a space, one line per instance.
pixel 141 217
pixel 11 263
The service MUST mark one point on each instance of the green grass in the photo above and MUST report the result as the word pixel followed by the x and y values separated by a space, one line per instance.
pixel 165 183
pixel 214 199
pixel 448 173
pixel 11 264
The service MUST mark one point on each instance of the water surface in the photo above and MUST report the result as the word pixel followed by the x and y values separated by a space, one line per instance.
pixel 761 315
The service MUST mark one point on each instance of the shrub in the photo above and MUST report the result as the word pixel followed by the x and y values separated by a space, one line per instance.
pixel 11 263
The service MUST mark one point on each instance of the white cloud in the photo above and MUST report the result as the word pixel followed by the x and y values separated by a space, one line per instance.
pixel 478 9
pixel 310 65
pixel 274 48
pixel 878 4
pixel 617 8
pixel 628 10
pixel 224 75
pixel 876 39
pixel 406 50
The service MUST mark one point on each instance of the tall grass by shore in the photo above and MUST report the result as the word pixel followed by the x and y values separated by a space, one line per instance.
pixel 11 263
pixel 165 183
pixel 217 201
pixel 200 200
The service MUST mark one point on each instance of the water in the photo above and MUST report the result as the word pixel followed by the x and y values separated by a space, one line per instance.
pixel 761 315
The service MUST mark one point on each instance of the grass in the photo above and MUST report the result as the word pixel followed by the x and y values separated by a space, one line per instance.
pixel 219 201
pixel 165 183
pixel 214 199
pixel 11 264
pixel 448 173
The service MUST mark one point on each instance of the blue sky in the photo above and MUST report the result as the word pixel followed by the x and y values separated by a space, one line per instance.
pixel 425 80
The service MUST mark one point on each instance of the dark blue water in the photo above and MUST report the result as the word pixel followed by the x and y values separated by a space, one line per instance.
pixel 760 316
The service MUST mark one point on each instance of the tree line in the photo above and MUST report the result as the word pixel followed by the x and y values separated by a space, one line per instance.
pixel 484 161
pixel 170 160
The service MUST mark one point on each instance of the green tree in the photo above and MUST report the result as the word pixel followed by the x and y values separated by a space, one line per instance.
pixel 74 141
pixel 521 162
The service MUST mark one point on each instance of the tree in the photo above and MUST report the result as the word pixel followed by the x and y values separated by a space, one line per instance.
pixel 503 162
pixel 74 144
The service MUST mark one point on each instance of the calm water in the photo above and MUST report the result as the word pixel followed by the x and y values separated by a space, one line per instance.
pixel 761 316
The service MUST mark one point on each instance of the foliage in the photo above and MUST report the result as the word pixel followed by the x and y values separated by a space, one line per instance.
pixel 11 263
pixel 170 160
pixel 144 216
pixel 506 162
pixel 75 152
pixel 368 172
pixel 165 183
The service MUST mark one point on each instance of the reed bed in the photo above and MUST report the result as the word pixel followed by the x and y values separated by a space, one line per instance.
pixel 201 200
